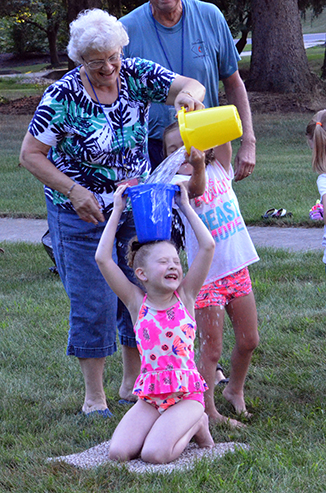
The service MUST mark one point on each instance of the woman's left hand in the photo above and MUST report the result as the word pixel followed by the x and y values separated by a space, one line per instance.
pixel 187 101
pixel 187 93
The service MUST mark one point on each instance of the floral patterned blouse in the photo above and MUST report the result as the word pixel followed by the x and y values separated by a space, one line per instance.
pixel 83 145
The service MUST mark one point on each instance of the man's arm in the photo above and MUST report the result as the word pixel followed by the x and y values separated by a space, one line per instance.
pixel 236 94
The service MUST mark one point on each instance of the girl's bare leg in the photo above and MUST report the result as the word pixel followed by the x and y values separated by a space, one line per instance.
pixel 171 433
pixel 210 323
pixel 243 314
pixel 130 434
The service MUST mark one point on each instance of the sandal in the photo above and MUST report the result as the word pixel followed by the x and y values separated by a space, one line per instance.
pixel 276 214
pixel 269 213
pixel 282 213
pixel 224 380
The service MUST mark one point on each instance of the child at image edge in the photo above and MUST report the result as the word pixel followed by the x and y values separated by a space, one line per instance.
pixel 316 133
pixel 170 406
pixel 227 286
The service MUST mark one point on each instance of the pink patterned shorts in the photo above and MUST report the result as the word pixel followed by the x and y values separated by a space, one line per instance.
pixel 223 291
pixel 162 402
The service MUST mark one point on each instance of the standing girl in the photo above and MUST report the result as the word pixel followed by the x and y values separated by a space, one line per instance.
pixel 170 406
pixel 316 133
pixel 227 285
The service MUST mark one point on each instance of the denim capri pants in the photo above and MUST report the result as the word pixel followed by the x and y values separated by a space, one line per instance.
pixel 95 311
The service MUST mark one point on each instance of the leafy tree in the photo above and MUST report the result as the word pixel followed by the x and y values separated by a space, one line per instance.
pixel 46 15
pixel 238 16
pixel 316 6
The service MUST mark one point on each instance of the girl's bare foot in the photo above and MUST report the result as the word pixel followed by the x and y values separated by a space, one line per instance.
pixel 217 418
pixel 203 437
pixel 237 401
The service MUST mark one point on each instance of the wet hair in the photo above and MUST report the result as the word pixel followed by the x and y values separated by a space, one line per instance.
pixel 316 132
pixel 95 29
pixel 138 252
pixel 209 155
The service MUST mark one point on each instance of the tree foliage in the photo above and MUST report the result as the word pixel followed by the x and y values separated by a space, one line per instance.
pixel 316 6
pixel 45 15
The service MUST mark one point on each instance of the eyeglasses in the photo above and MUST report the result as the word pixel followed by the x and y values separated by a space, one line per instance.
pixel 96 64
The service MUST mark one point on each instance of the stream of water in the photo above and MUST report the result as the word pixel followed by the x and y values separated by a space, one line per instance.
pixel 168 168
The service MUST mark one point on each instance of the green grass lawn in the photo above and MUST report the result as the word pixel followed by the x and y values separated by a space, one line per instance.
pixel 21 195
pixel 283 175
pixel 42 389
pixel 13 88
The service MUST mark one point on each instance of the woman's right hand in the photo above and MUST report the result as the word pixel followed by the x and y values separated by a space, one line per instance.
pixel 33 156
pixel 86 205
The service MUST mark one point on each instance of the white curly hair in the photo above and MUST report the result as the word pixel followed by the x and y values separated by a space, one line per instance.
pixel 95 29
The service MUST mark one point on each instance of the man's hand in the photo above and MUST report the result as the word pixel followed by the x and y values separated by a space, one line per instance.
pixel 245 160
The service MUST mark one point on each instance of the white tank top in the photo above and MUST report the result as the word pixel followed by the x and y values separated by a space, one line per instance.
pixel 219 209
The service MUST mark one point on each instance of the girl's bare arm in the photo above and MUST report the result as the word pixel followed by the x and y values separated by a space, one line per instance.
pixel 130 294
pixel 198 270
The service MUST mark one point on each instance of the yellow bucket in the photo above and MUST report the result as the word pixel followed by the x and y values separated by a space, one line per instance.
pixel 210 127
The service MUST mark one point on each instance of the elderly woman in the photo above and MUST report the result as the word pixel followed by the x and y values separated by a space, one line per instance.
pixel 88 133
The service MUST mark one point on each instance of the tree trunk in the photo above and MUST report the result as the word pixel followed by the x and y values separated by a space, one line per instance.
pixel 279 62
pixel 323 68
pixel 242 41
pixel 52 38
pixel 74 7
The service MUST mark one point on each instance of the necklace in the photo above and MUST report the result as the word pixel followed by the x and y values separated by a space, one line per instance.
pixel 160 40
pixel 108 121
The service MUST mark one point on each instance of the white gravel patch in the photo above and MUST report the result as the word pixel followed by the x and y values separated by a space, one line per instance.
pixel 98 456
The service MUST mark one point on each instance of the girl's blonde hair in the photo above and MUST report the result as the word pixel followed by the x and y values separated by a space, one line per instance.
pixel 137 252
pixel 316 133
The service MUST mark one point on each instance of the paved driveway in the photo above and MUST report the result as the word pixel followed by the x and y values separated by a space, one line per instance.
pixel 294 239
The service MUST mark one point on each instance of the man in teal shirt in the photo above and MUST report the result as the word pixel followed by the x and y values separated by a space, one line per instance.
pixel 191 38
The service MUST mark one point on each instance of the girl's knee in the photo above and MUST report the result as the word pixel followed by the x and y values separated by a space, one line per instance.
pixel 210 350
pixel 154 455
pixel 114 454
pixel 119 453
pixel 249 343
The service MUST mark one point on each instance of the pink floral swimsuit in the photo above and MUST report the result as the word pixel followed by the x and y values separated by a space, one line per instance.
pixel 165 340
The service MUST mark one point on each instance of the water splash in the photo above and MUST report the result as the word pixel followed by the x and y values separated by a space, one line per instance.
pixel 168 168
